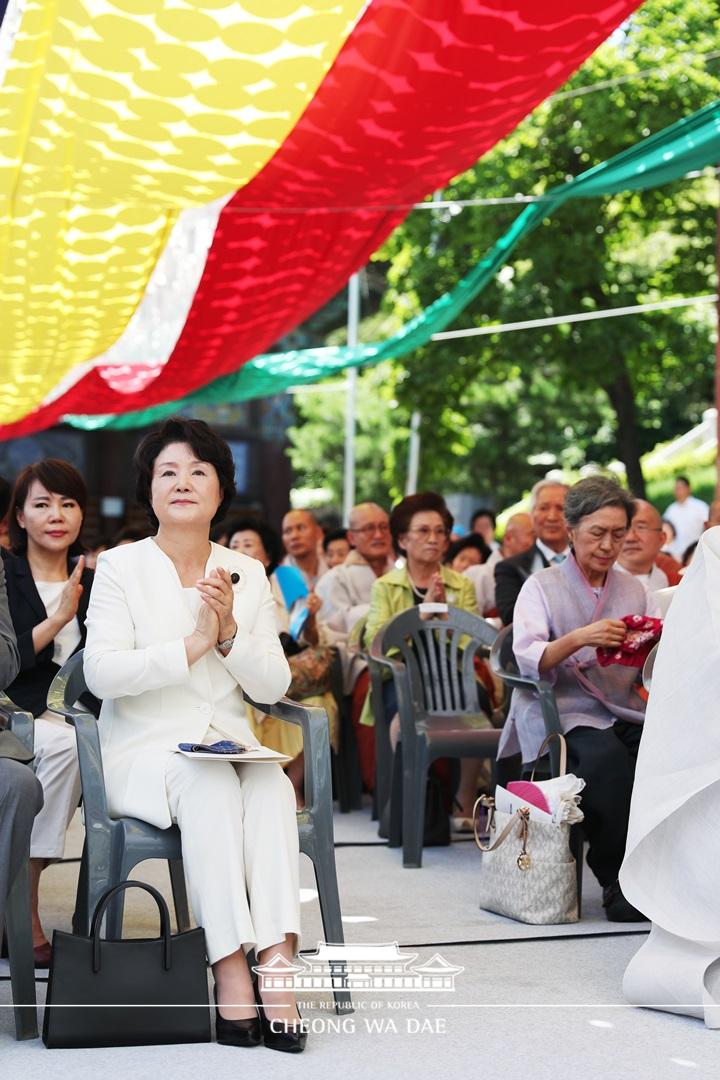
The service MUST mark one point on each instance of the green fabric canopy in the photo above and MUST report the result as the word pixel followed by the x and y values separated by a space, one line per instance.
pixel 690 144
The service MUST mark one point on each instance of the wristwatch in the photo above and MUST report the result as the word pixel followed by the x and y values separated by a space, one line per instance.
pixel 227 644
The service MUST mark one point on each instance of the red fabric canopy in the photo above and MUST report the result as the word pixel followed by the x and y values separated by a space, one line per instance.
pixel 414 98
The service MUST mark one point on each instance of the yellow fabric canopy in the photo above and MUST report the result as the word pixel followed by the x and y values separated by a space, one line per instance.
pixel 114 116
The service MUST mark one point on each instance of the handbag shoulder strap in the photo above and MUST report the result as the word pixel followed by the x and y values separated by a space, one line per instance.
pixel 563 753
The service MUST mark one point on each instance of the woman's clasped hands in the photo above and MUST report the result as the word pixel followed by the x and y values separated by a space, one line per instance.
pixel 215 621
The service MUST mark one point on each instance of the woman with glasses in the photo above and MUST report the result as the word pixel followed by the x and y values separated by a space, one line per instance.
pixel 420 526
pixel 562 616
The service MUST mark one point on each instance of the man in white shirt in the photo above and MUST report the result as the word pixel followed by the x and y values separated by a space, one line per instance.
pixel 547 500
pixel 642 546
pixel 687 515
pixel 345 590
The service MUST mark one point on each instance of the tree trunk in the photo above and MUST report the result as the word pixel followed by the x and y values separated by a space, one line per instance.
pixel 622 398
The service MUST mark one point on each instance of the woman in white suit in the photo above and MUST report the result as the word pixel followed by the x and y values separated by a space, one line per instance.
pixel 177 628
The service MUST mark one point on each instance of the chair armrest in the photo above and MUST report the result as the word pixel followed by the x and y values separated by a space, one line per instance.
pixel 316 743
pixel 18 721
pixel 92 776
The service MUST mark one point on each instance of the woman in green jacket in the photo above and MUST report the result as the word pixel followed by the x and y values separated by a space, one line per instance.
pixel 420 526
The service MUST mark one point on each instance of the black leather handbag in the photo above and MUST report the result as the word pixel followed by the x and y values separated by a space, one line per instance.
pixel 131 992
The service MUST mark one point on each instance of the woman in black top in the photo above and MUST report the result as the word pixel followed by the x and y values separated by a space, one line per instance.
pixel 48 590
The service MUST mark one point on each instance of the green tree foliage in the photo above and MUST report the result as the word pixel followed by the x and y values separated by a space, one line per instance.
pixel 498 409
pixel 317 441
pixel 598 389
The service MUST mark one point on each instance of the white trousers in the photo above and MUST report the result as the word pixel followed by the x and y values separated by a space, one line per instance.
pixel 240 850
pixel 56 767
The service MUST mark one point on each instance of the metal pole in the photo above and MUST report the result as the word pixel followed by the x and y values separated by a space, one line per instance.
pixel 413 454
pixel 351 400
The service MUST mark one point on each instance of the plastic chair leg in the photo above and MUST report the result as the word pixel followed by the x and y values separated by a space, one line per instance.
pixel 22 961
pixel 326 878
pixel 395 807
pixel 383 773
pixel 414 784
pixel 179 891
pixel 577 848
pixel 350 780
pixel 81 918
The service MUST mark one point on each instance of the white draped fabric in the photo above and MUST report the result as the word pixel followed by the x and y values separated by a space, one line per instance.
pixel 671 870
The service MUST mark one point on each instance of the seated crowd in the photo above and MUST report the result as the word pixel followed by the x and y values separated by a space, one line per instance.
pixel 564 575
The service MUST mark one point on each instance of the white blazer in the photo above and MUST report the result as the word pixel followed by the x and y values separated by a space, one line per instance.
pixel 135 661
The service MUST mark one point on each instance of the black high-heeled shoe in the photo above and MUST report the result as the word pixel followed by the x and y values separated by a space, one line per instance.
pixel 237 1032
pixel 290 1038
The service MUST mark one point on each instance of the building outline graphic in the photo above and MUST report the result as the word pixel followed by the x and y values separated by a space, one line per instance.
pixel 357 968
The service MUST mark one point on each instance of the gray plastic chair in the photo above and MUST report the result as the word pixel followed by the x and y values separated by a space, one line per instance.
pixel 114 846
pixel 18 920
pixel 504 664
pixel 438 705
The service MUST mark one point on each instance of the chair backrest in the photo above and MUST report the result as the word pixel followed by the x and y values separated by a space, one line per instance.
pixel 65 689
pixel 69 681
pixel 502 657
pixel 648 667
pixel 439 656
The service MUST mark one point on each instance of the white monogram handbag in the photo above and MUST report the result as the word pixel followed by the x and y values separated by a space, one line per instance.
pixel 528 871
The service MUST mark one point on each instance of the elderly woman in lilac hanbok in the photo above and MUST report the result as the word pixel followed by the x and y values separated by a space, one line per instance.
pixel 562 616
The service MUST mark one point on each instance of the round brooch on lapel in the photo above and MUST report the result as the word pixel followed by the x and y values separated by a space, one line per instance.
pixel 237 577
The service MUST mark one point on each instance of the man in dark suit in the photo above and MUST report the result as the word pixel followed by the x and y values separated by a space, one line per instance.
pixel 551 545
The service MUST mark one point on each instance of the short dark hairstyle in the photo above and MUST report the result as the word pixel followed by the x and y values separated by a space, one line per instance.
pixel 268 536
pixel 595 493
pixel 203 442
pixel 472 540
pixel 683 480
pixel 482 511
pixel 56 476
pixel 666 521
pixel 404 511
pixel 335 534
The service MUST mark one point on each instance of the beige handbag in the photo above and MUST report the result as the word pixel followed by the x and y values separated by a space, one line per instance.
pixel 528 871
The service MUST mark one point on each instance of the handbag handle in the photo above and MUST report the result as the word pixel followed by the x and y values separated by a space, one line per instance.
pixel 100 911
pixel 521 817
pixel 563 753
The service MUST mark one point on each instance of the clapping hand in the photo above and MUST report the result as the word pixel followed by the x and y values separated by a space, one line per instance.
pixel 207 626
pixel 70 596
pixel 217 594
pixel 435 594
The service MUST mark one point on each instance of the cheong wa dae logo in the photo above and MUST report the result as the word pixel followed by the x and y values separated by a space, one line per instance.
pixel 358 967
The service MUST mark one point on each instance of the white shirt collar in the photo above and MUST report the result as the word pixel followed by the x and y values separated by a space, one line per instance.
pixel 549 553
